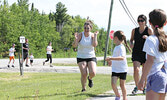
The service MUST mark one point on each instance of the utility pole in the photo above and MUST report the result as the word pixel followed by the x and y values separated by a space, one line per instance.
pixel 108 31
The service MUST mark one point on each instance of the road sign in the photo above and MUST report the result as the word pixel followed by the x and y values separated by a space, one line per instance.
pixel 22 39
pixel 111 34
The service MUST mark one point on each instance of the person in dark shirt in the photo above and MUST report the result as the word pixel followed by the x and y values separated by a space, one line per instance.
pixel 139 36
pixel 25 52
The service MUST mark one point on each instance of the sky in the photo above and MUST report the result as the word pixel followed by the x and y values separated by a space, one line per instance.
pixel 98 11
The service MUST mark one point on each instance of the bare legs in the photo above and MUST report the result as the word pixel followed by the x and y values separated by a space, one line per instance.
pixel 122 85
pixel 83 69
pixel 151 95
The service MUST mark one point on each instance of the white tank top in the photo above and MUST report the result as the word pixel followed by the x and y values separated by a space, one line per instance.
pixel 85 47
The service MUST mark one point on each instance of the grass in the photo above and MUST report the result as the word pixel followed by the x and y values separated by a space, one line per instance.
pixel 49 86
pixel 99 63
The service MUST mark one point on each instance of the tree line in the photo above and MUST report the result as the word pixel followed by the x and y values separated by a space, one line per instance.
pixel 39 28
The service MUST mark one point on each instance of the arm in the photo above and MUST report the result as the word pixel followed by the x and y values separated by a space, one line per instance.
pixel 147 68
pixel 149 32
pixel 94 42
pixel 77 39
pixel 114 58
pixel 132 38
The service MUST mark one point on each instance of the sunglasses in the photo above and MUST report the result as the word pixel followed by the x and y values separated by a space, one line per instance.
pixel 86 28
pixel 140 20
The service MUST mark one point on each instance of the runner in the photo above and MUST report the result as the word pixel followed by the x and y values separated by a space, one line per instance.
pixel 11 55
pixel 156 64
pixel 138 36
pixel 119 65
pixel 86 41
pixel 49 54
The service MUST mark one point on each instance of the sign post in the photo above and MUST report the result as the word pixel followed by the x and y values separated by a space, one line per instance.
pixel 22 40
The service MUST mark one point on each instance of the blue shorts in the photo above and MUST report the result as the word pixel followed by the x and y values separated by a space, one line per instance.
pixel 158 82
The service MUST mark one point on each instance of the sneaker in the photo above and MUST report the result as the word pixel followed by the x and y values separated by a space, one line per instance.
pixel 134 92
pixel 27 65
pixel 8 66
pixel 51 65
pixel 117 98
pixel 13 66
pixel 90 84
pixel 144 91
pixel 43 63
pixel 83 90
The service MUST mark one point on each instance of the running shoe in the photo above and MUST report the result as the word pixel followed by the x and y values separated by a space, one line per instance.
pixel 13 66
pixel 144 91
pixel 27 65
pixel 134 92
pixel 117 98
pixel 90 84
pixel 83 90
pixel 8 66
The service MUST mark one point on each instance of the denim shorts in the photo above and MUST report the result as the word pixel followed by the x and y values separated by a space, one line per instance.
pixel 158 82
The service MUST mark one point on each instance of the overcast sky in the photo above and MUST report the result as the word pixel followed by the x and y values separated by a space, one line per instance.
pixel 98 11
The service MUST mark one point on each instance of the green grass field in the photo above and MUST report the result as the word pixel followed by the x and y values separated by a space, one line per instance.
pixel 49 86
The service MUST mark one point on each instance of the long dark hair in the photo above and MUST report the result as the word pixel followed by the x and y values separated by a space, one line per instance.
pixel 143 17
pixel 119 34
pixel 158 19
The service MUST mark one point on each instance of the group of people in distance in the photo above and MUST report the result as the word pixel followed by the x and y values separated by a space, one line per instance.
pixel 149 49
pixel 26 54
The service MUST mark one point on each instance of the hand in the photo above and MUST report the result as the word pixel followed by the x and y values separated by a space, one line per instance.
pixel 107 59
pixel 109 63
pixel 141 85
pixel 145 36
pixel 97 32
pixel 76 36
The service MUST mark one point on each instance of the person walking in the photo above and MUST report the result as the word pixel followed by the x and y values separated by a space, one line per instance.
pixel 86 59
pixel 49 54
pixel 25 52
pixel 119 65
pixel 11 55
pixel 137 40
pixel 155 69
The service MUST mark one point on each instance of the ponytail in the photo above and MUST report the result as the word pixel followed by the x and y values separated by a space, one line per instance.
pixel 162 39
pixel 124 38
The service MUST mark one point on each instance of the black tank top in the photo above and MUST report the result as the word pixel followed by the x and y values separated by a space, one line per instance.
pixel 139 41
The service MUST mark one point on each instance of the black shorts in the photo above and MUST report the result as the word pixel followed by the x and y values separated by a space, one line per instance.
pixel 139 56
pixel 86 59
pixel 31 61
pixel 25 55
pixel 120 75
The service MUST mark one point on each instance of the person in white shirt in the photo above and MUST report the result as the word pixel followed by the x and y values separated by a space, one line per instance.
pixel 11 55
pixel 31 59
pixel 49 54
pixel 86 59
pixel 119 65
pixel 155 69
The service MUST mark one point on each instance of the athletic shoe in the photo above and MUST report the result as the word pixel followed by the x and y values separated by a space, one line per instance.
pixel 117 98
pixel 134 92
pixel 51 65
pixel 144 91
pixel 13 66
pixel 83 90
pixel 43 63
pixel 90 84
pixel 27 65
pixel 8 66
